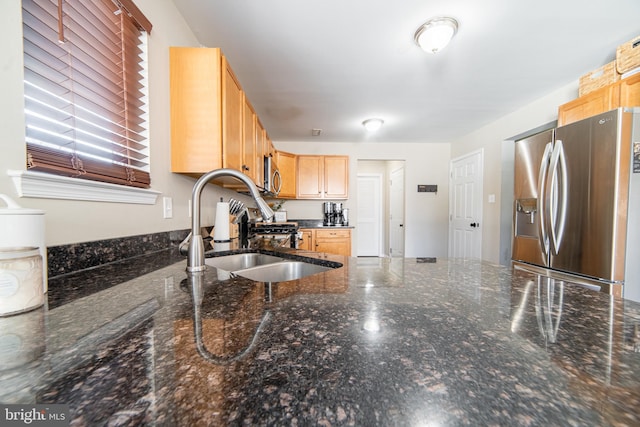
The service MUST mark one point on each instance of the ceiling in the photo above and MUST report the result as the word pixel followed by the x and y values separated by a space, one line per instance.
pixel 330 64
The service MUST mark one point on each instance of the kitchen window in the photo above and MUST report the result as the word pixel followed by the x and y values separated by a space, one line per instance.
pixel 85 90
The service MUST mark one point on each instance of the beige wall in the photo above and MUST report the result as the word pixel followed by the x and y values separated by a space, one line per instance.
pixel 70 221
pixel 491 138
pixel 426 214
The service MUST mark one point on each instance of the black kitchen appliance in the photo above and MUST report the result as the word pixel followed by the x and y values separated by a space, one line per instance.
pixel 273 234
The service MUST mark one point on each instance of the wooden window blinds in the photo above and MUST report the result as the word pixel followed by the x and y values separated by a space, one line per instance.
pixel 85 89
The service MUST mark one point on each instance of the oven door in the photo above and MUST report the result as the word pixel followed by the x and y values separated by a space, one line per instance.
pixel 272 241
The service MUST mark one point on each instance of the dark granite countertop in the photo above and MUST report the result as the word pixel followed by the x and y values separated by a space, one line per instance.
pixel 389 342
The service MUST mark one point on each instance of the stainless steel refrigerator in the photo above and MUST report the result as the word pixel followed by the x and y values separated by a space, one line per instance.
pixel 576 207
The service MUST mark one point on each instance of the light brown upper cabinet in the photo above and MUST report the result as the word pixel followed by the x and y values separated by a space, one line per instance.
pixel 250 164
pixel 261 136
pixel 232 119
pixel 630 91
pixel 212 123
pixel 323 177
pixel 623 93
pixel 287 167
pixel 196 109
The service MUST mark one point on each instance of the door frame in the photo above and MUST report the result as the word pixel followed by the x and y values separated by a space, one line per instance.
pixel 478 213
pixel 402 205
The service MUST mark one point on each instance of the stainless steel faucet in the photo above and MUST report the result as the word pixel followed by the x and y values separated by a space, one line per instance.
pixel 195 259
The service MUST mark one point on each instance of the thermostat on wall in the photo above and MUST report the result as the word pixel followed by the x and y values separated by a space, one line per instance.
pixel 424 188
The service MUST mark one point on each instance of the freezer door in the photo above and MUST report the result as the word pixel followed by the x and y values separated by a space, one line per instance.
pixel 530 154
pixel 594 211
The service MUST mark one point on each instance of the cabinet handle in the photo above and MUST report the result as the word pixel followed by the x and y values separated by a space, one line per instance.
pixel 245 168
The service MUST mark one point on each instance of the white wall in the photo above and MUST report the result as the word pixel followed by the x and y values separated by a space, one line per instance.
pixel 491 137
pixel 77 221
pixel 426 214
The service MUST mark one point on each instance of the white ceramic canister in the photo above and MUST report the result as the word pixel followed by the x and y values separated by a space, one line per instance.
pixel 20 280
pixel 22 227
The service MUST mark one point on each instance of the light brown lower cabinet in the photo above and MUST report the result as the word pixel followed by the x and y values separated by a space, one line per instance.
pixel 305 243
pixel 331 241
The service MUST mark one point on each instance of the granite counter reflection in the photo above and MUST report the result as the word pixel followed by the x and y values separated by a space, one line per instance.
pixel 376 342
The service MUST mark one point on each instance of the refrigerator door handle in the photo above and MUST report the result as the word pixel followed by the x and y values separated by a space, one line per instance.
pixel 558 196
pixel 542 203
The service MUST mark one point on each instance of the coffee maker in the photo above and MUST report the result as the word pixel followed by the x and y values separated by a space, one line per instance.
pixel 334 214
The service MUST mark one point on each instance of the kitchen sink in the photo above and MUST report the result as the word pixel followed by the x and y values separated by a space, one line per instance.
pixel 281 271
pixel 265 268
pixel 241 261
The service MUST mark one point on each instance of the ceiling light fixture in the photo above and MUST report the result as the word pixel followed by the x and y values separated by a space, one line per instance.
pixel 436 33
pixel 373 125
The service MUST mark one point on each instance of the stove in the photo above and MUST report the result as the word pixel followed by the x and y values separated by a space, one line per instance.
pixel 274 234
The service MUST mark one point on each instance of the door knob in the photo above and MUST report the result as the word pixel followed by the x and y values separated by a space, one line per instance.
pixel 474 224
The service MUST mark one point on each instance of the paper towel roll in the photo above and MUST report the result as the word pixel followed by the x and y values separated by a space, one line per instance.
pixel 221 227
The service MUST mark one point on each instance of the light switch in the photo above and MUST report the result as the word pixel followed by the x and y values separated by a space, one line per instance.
pixel 167 207
pixel 492 198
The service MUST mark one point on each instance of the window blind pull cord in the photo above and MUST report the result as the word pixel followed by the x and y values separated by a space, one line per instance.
pixel 76 164
pixel 131 174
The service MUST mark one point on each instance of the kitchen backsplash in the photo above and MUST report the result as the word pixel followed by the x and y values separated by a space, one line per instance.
pixel 75 257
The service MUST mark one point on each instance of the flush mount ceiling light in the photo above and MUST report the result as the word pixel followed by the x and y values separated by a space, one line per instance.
pixel 372 125
pixel 436 33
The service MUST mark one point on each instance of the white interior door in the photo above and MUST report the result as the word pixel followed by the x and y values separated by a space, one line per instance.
pixel 465 206
pixel 396 213
pixel 369 223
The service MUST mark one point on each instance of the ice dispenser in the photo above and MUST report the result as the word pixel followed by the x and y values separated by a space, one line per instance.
pixel 525 220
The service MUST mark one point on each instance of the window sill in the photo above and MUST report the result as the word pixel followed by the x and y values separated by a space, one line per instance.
pixel 47 186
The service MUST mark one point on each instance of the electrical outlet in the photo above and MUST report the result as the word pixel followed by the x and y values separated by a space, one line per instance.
pixel 167 205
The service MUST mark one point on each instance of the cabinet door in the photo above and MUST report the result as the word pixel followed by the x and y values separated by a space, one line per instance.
pixel 333 241
pixel 250 154
pixel 287 167
pixel 269 148
pixel 232 115
pixel 306 242
pixel 336 177
pixel 593 103
pixel 630 91
pixel 260 153
pixel 196 128
pixel 310 177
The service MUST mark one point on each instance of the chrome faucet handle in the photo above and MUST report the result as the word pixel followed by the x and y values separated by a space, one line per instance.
pixel 183 247
pixel 195 260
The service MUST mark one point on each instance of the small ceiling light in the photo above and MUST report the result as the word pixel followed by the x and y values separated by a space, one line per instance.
pixel 436 33
pixel 373 125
